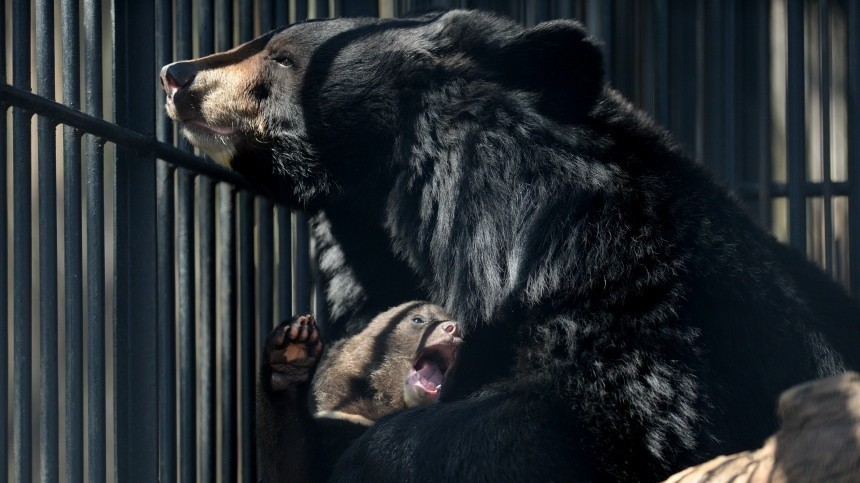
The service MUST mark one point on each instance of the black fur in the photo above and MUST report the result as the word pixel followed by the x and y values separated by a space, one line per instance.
pixel 626 318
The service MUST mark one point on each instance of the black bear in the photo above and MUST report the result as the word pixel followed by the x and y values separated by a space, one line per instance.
pixel 401 359
pixel 623 317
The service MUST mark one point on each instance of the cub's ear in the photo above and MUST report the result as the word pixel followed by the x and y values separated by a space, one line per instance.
pixel 559 61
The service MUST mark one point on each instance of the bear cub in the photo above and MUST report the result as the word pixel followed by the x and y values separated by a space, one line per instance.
pixel 312 402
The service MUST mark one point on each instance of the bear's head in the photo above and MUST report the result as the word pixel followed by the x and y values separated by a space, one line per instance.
pixel 334 106
pixel 403 358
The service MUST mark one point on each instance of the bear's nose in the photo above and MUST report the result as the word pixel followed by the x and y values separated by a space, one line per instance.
pixel 177 75
pixel 451 328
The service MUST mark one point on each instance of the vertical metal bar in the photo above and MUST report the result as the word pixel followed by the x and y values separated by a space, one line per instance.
pixel 95 250
pixel 247 342
pixel 282 13
pixel 206 330
pixel 49 383
pixel 321 8
pixel 661 61
pixel 246 20
pixel 72 245
pixel 682 74
pixel 854 143
pixel 824 90
pixel 302 276
pixel 301 12
pixel 186 315
pixel 796 126
pixel 224 33
pixel 206 307
pixel 761 38
pixel 166 323
pixel 184 50
pixel 163 56
pixel 227 330
pixel 715 154
pixel 22 252
pixel 729 115
pixel 265 268
pixel 285 264
pixel 135 249
pixel 206 24
pixel 267 15
pixel 4 262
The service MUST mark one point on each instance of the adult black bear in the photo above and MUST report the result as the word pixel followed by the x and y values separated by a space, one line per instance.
pixel 624 317
pixel 400 360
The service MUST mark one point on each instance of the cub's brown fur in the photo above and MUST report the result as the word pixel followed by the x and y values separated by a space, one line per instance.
pixel 309 413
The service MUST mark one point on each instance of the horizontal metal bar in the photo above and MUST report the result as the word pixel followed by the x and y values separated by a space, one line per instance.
pixel 120 135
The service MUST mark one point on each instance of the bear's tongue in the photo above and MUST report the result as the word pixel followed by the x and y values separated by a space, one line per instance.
pixel 428 376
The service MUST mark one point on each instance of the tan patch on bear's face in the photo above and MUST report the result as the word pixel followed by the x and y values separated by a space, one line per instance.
pixel 219 106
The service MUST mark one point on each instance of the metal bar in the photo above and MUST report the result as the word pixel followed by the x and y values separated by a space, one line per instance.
pixel 682 74
pixel 184 50
pixel 121 135
pixel 224 24
pixel 302 276
pixel 854 144
pixel 266 15
pixel 661 61
pixel 824 92
pixel 135 248
pixel 227 330
pixel 49 379
pixel 247 342
pixel 166 325
pixel 246 20
pixel 322 10
pixel 285 264
pixel 206 430
pixel 4 286
pixel 186 316
pixel 206 332
pixel 22 252
pixel 796 126
pixel 731 152
pixel 166 319
pixel 282 12
pixel 206 25
pixel 96 423
pixel 163 56
pixel 762 117
pixel 72 247
pixel 265 268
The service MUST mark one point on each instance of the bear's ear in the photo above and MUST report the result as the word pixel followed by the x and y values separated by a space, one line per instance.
pixel 559 61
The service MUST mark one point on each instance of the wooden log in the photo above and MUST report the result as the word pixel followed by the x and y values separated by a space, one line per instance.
pixel 819 440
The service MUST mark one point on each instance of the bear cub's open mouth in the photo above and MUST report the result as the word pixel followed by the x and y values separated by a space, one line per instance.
pixel 429 371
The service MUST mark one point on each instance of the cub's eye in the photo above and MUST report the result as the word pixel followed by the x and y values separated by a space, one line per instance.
pixel 284 60
pixel 417 320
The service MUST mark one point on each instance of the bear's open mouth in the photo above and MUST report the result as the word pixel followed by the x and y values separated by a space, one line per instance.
pixel 430 369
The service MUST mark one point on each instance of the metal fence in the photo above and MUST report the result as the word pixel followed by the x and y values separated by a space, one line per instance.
pixel 143 277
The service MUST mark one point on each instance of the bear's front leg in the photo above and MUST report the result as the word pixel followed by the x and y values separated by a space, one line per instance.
pixel 290 356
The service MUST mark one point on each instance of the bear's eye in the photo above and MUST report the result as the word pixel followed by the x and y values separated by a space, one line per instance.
pixel 284 60
pixel 417 320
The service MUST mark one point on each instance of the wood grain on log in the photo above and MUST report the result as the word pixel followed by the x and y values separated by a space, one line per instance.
pixel 819 440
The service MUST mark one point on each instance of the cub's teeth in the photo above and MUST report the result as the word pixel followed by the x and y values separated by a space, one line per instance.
pixel 438 387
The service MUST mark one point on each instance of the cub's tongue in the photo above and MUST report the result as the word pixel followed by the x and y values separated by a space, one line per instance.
pixel 427 376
